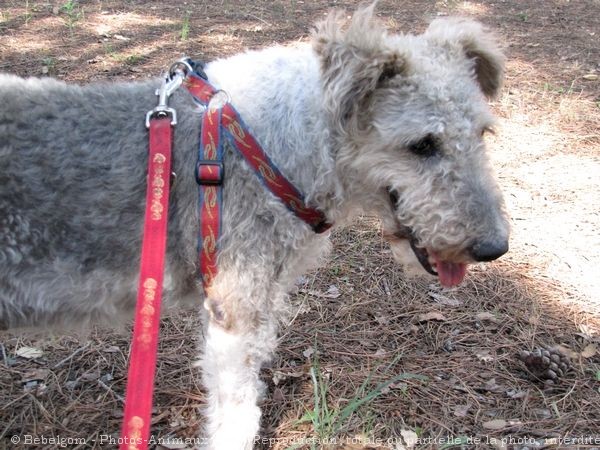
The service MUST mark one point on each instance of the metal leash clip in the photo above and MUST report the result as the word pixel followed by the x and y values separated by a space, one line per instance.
pixel 174 78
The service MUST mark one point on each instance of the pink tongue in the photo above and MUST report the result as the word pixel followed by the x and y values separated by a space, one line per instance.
pixel 449 273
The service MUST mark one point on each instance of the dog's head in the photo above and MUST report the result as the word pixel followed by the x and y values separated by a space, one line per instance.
pixel 408 115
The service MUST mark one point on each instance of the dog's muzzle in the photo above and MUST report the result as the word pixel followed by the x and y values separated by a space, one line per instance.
pixel 450 273
pixel 406 233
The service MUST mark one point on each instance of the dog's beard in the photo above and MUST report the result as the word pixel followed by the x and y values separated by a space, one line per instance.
pixel 450 273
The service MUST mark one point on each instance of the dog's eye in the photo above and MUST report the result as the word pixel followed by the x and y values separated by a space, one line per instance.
pixel 393 195
pixel 426 147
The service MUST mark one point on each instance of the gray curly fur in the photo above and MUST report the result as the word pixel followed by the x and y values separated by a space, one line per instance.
pixel 336 117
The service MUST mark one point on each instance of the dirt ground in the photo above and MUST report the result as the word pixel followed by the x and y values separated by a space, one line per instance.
pixel 359 323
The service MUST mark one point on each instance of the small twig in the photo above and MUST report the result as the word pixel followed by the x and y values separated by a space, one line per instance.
pixel 71 356
pixel 7 428
pixel 4 357
pixel 386 287
pixel 106 387
pixel 258 18
pixel 13 401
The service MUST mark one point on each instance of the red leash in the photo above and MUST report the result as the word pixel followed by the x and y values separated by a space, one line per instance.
pixel 142 361
pixel 140 384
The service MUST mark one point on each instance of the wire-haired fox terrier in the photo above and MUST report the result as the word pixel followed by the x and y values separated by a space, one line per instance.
pixel 359 120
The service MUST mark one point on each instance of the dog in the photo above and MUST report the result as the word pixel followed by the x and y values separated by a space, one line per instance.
pixel 359 120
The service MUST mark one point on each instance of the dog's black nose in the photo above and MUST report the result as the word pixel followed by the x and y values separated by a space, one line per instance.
pixel 489 250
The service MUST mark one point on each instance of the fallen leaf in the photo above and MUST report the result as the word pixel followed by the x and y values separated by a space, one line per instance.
pixel 484 355
pixel 496 424
pixel 29 352
pixel 542 413
pixel 455 383
pixel 106 378
pixel 567 351
pixel 308 352
pixel 590 77
pixel 332 292
pixel 380 353
pixel 491 386
pixel 91 375
pixel 486 316
pixel 589 351
pixel 586 332
pixel 38 375
pixel 433 315
pixel 402 386
pixel 35 387
pixel 382 319
pixel 410 438
pixel 499 424
pixel 112 349
pixel 442 299
pixel 462 410
pixel 514 394
pixel 72 384
pixel 279 376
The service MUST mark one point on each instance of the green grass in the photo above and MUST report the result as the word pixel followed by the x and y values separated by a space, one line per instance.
pixel 73 14
pixel 28 15
pixel 185 28
pixel 328 421
pixel 132 59
pixel 4 18
pixel 548 87
pixel 50 63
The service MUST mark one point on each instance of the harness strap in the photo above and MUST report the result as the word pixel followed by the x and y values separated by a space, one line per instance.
pixel 268 172
pixel 142 361
pixel 209 175
pixel 225 121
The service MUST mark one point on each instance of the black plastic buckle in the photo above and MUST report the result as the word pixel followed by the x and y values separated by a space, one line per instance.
pixel 198 68
pixel 214 178
pixel 321 227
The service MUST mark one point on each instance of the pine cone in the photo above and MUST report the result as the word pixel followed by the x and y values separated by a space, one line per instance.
pixel 546 364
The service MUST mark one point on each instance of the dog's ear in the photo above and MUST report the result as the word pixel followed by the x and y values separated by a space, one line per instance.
pixel 477 44
pixel 355 60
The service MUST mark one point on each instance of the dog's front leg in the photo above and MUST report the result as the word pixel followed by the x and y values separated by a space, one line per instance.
pixel 236 346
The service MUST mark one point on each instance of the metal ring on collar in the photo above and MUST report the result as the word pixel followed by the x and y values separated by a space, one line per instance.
pixel 182 66
pixel 219 99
